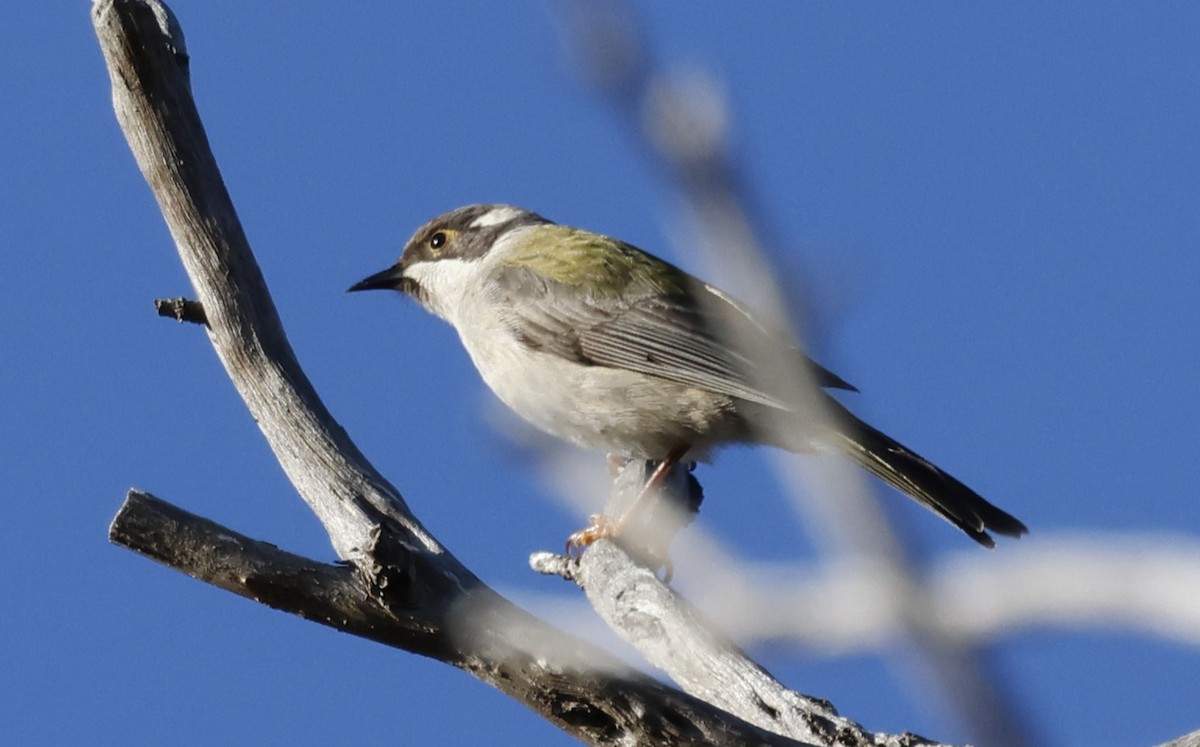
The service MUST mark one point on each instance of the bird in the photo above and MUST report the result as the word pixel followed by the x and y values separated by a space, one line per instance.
pixel 604 345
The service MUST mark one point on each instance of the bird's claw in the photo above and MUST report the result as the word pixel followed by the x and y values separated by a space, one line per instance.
pixel 602 527
pixel 599 527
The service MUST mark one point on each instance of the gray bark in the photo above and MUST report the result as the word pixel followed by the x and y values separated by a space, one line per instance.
pixel 1187 740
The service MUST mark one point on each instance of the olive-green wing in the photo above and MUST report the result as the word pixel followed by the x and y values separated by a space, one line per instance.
pixel 665 334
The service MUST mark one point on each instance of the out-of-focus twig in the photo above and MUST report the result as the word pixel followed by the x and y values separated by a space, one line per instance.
pixel 682 125
pixel 1101 581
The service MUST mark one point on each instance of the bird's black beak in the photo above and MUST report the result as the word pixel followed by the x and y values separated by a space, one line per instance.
pixel 390 279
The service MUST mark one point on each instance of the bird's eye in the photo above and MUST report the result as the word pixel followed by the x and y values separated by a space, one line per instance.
pixel 438 240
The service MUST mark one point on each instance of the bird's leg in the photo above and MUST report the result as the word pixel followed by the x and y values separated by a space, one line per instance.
pixel 656 477
pixel 602 527
pixel 599 526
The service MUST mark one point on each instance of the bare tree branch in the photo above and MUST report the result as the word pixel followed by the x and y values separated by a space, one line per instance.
pixel 410 592
pixel 1187 740
pixel 181 310
pixel 676 638
pixel 399 585
pixel 581 689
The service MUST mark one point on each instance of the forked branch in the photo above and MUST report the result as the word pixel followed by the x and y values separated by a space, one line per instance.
pixel 398 585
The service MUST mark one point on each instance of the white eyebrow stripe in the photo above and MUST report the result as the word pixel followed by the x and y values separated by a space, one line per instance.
pixel 495 216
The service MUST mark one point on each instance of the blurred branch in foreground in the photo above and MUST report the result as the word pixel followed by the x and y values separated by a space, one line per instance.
pixel 1143 583
pixel 682 124
pixel 868 595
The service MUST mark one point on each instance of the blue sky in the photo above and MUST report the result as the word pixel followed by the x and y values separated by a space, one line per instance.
pixel 995 208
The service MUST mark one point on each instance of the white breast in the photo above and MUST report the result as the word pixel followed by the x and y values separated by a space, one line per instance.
pixel 606 409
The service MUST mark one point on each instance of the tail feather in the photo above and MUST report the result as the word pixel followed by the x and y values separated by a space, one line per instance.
pixel 912 474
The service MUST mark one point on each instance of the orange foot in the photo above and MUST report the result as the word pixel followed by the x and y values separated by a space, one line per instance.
pixel 599 527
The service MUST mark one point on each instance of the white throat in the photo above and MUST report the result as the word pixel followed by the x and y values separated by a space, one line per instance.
pixel 448 285
pixel 456 289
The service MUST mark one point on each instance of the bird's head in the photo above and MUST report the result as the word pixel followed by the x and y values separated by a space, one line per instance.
pixel 448 251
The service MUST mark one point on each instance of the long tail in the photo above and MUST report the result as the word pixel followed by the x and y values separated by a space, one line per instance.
pixel 912 474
